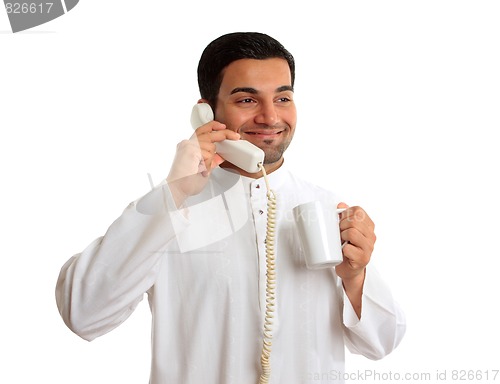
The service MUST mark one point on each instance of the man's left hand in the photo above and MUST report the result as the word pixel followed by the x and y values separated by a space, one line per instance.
pixel 357 232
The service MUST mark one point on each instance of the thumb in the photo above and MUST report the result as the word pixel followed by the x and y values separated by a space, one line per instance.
pixel 218 160
pixel 342 205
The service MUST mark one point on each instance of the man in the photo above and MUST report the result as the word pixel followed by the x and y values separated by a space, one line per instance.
pixel 196 245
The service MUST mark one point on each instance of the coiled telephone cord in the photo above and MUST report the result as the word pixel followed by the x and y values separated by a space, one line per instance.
pixel 270 282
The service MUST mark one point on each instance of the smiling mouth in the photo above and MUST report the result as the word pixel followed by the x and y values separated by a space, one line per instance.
pixel 264 133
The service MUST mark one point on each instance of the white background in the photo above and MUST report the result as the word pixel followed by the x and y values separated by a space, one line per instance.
pixel 398 112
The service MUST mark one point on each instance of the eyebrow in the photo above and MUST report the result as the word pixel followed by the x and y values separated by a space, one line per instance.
pixel 253 91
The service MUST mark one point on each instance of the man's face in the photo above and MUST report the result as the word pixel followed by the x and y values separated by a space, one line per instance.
pixel 256 100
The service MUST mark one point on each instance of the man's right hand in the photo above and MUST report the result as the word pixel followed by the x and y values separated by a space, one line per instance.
pixel 195 159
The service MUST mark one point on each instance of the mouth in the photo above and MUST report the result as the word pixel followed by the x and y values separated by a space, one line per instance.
pixel 265 133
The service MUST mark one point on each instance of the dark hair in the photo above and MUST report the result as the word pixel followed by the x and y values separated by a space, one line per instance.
pixel 231 47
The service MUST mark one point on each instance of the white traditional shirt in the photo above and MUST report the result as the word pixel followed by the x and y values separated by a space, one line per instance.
pixel 204 270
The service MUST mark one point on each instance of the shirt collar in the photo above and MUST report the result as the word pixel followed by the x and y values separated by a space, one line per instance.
pixel 276 179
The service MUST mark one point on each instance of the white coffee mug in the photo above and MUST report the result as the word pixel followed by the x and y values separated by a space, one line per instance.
pixel 319 231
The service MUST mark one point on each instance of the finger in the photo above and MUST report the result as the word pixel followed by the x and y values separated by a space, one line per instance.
pixel 207 148
pixel 355 257
pixel 215 126
pixel 205 138
pixel 215 136
pixel 222 135
pixel 357 239
pixel 362 227
pixel 210 158
pixel 217 160
pixel 209 127
pixel 356 216
pixel 208 154
pixel 342 205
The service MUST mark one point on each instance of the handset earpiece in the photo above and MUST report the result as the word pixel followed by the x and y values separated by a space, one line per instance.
pixel 202 113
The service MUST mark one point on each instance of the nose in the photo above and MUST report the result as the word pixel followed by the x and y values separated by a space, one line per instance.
pixel 267 114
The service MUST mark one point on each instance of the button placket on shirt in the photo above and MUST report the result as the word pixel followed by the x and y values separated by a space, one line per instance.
pixel 258 201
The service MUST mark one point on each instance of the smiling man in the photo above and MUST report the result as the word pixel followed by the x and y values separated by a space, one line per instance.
pixel 197 244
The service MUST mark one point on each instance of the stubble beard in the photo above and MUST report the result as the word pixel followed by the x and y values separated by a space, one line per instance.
pixel 274 154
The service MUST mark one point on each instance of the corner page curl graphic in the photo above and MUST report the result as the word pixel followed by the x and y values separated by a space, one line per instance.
pixel 25 14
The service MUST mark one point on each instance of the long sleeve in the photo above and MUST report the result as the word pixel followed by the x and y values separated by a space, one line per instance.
pixel 100 287
pixel 207 294
pixel 382 324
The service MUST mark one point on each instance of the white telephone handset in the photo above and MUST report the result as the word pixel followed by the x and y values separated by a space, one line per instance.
pixel 241 153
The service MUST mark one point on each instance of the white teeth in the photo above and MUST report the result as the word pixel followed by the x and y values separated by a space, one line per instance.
pixel 263 133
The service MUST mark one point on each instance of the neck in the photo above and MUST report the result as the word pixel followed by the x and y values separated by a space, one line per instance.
pixel 270 168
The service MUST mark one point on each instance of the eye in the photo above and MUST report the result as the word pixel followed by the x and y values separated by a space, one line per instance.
pixel 284 97
pixel 246 100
